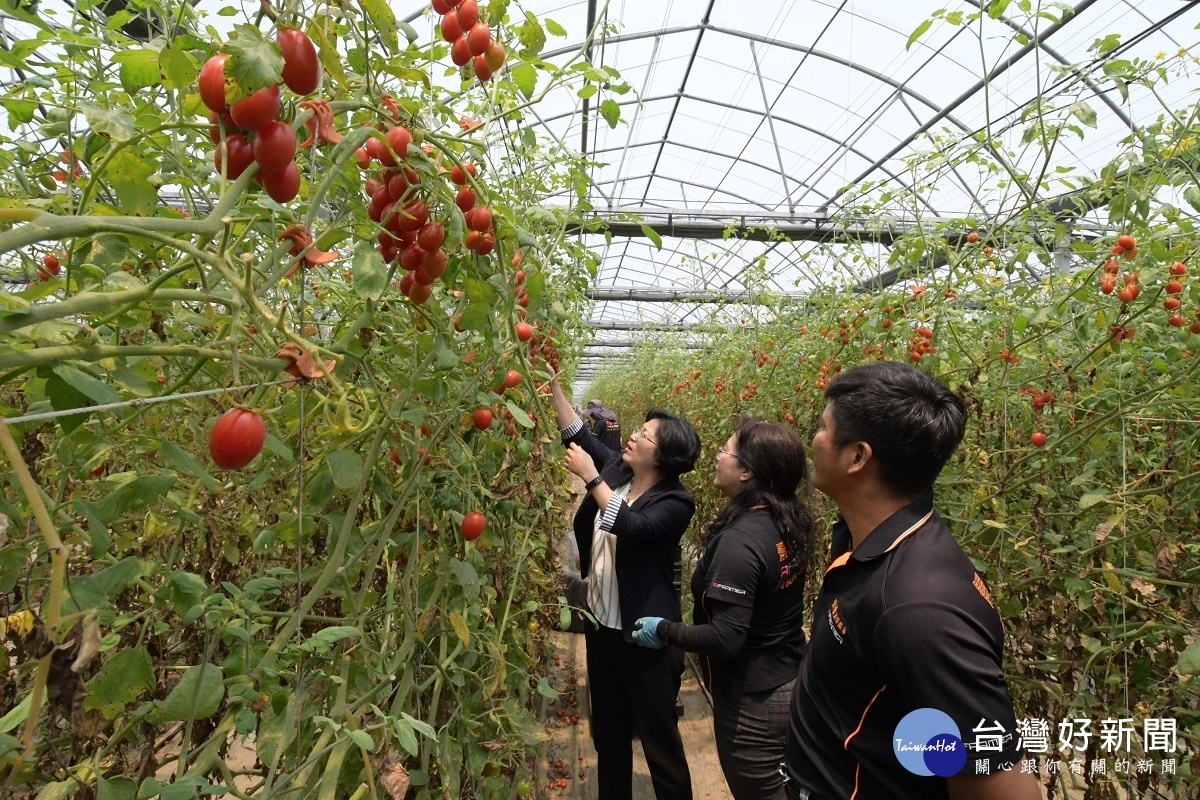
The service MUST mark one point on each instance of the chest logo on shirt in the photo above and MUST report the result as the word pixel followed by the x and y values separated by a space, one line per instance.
pixel 836 624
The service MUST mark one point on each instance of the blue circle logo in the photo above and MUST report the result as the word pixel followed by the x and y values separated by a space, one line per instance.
pixel 928 743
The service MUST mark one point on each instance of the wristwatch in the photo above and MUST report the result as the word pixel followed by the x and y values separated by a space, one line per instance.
pixel 593 483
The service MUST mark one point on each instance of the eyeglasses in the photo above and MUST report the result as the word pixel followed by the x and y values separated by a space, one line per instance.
pixel 723 451
pixel 641 434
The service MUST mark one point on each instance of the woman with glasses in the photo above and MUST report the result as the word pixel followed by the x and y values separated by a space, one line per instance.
pixel 749 599
pixel 628 529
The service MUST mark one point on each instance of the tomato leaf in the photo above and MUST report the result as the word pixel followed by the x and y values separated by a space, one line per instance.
pixel 554 28
pixel 138 69
pixel 181 460
pixel 476 317
pixel 920 31
pixel 109 122
pixel 653 236
pixel 1189 659
pixel 129 175
pixel 531 35
pixel 97 530
pixel 525 77
pixel 460 627
pixel 177 67
pixel 138 493
pixel 323 640
pixel 198 695
pixel 362 739
pixel 370 273
pixel 327 51
pixel 611 112
pixel 121 680
pixel 406 737
pixel 545 689
pixel 254 62
pixel 115 788
pixel 997 8
pixel 384 22
pixel 1084 113
pixel 346 468
pixel 519 414
pixel 89 591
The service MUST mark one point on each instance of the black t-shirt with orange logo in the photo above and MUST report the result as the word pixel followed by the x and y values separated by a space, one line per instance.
pixel 904 622
pixel 747 565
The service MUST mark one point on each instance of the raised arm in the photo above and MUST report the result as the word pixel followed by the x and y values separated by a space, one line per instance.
pixel 562 404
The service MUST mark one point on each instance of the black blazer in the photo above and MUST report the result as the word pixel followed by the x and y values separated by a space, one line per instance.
pixel 648 535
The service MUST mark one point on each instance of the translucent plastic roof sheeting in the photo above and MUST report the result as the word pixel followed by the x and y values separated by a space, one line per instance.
pixel 775 109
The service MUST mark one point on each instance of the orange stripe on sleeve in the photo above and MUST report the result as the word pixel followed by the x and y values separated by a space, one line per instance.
pixel 863 718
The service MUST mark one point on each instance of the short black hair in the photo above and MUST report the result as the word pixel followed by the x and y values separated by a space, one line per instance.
pixel 912 422
pixel 678 443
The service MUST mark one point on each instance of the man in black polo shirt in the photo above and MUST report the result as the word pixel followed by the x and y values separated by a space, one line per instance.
pixel 901 693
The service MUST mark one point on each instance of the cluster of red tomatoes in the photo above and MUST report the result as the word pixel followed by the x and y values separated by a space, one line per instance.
pixel 1173 303
pixel 922 343
pixel 252 131
pixel 51 265
pixel 409 233
pixel 470 39
pixel 541 343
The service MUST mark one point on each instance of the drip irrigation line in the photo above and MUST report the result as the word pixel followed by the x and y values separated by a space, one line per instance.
pixel 140 401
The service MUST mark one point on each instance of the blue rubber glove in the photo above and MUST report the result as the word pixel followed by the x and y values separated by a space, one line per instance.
pixel 645 633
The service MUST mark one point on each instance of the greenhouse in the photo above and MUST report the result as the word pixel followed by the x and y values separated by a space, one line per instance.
pixel 314 318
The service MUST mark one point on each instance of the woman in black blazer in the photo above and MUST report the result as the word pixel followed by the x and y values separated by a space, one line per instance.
pixel 628 530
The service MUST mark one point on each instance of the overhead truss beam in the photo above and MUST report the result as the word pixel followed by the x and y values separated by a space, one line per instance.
pixel 638 294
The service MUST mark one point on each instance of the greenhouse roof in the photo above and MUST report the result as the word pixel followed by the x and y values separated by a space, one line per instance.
pixel 766 118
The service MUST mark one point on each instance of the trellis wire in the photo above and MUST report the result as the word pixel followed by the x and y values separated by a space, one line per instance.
pixel 139 401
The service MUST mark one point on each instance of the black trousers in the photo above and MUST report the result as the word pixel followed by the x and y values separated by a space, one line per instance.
pixel 634 688
pixel 751 729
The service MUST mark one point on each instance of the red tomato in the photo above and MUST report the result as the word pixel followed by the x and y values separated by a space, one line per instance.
pixel 473 240
pixel 460 51
pixel 483 418
pixel 419 293
pixel 375 147
pixel 51 263
pixel 459 174
pixel 524 331
pixel 1174 287
pixel 363 158
pixel 412 256
pixel 1177 321
pixel 399 139
pixel 256 110
pixel 494 55
pixel 1038 438
pixel 480 219
pixel 241 155
pixel 441 6
pixel 415 215
pixel 468 14
pixel 434 263
pixel 236 438
pixel 274 146
pixel 211 83
pixel 487 245
pixel 451 30
pixel 482 70
pixel 973 237
pixel 301 67
pixel 1125 295
pixel 511 379
pixel 472 525
pixel 478 38
pixel 431 235
pixel 282 186
pixel 465 199
pixel 1178 269
pixel 1171 304
pixel 1126 242
pixel 422 277
pixel 406 283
